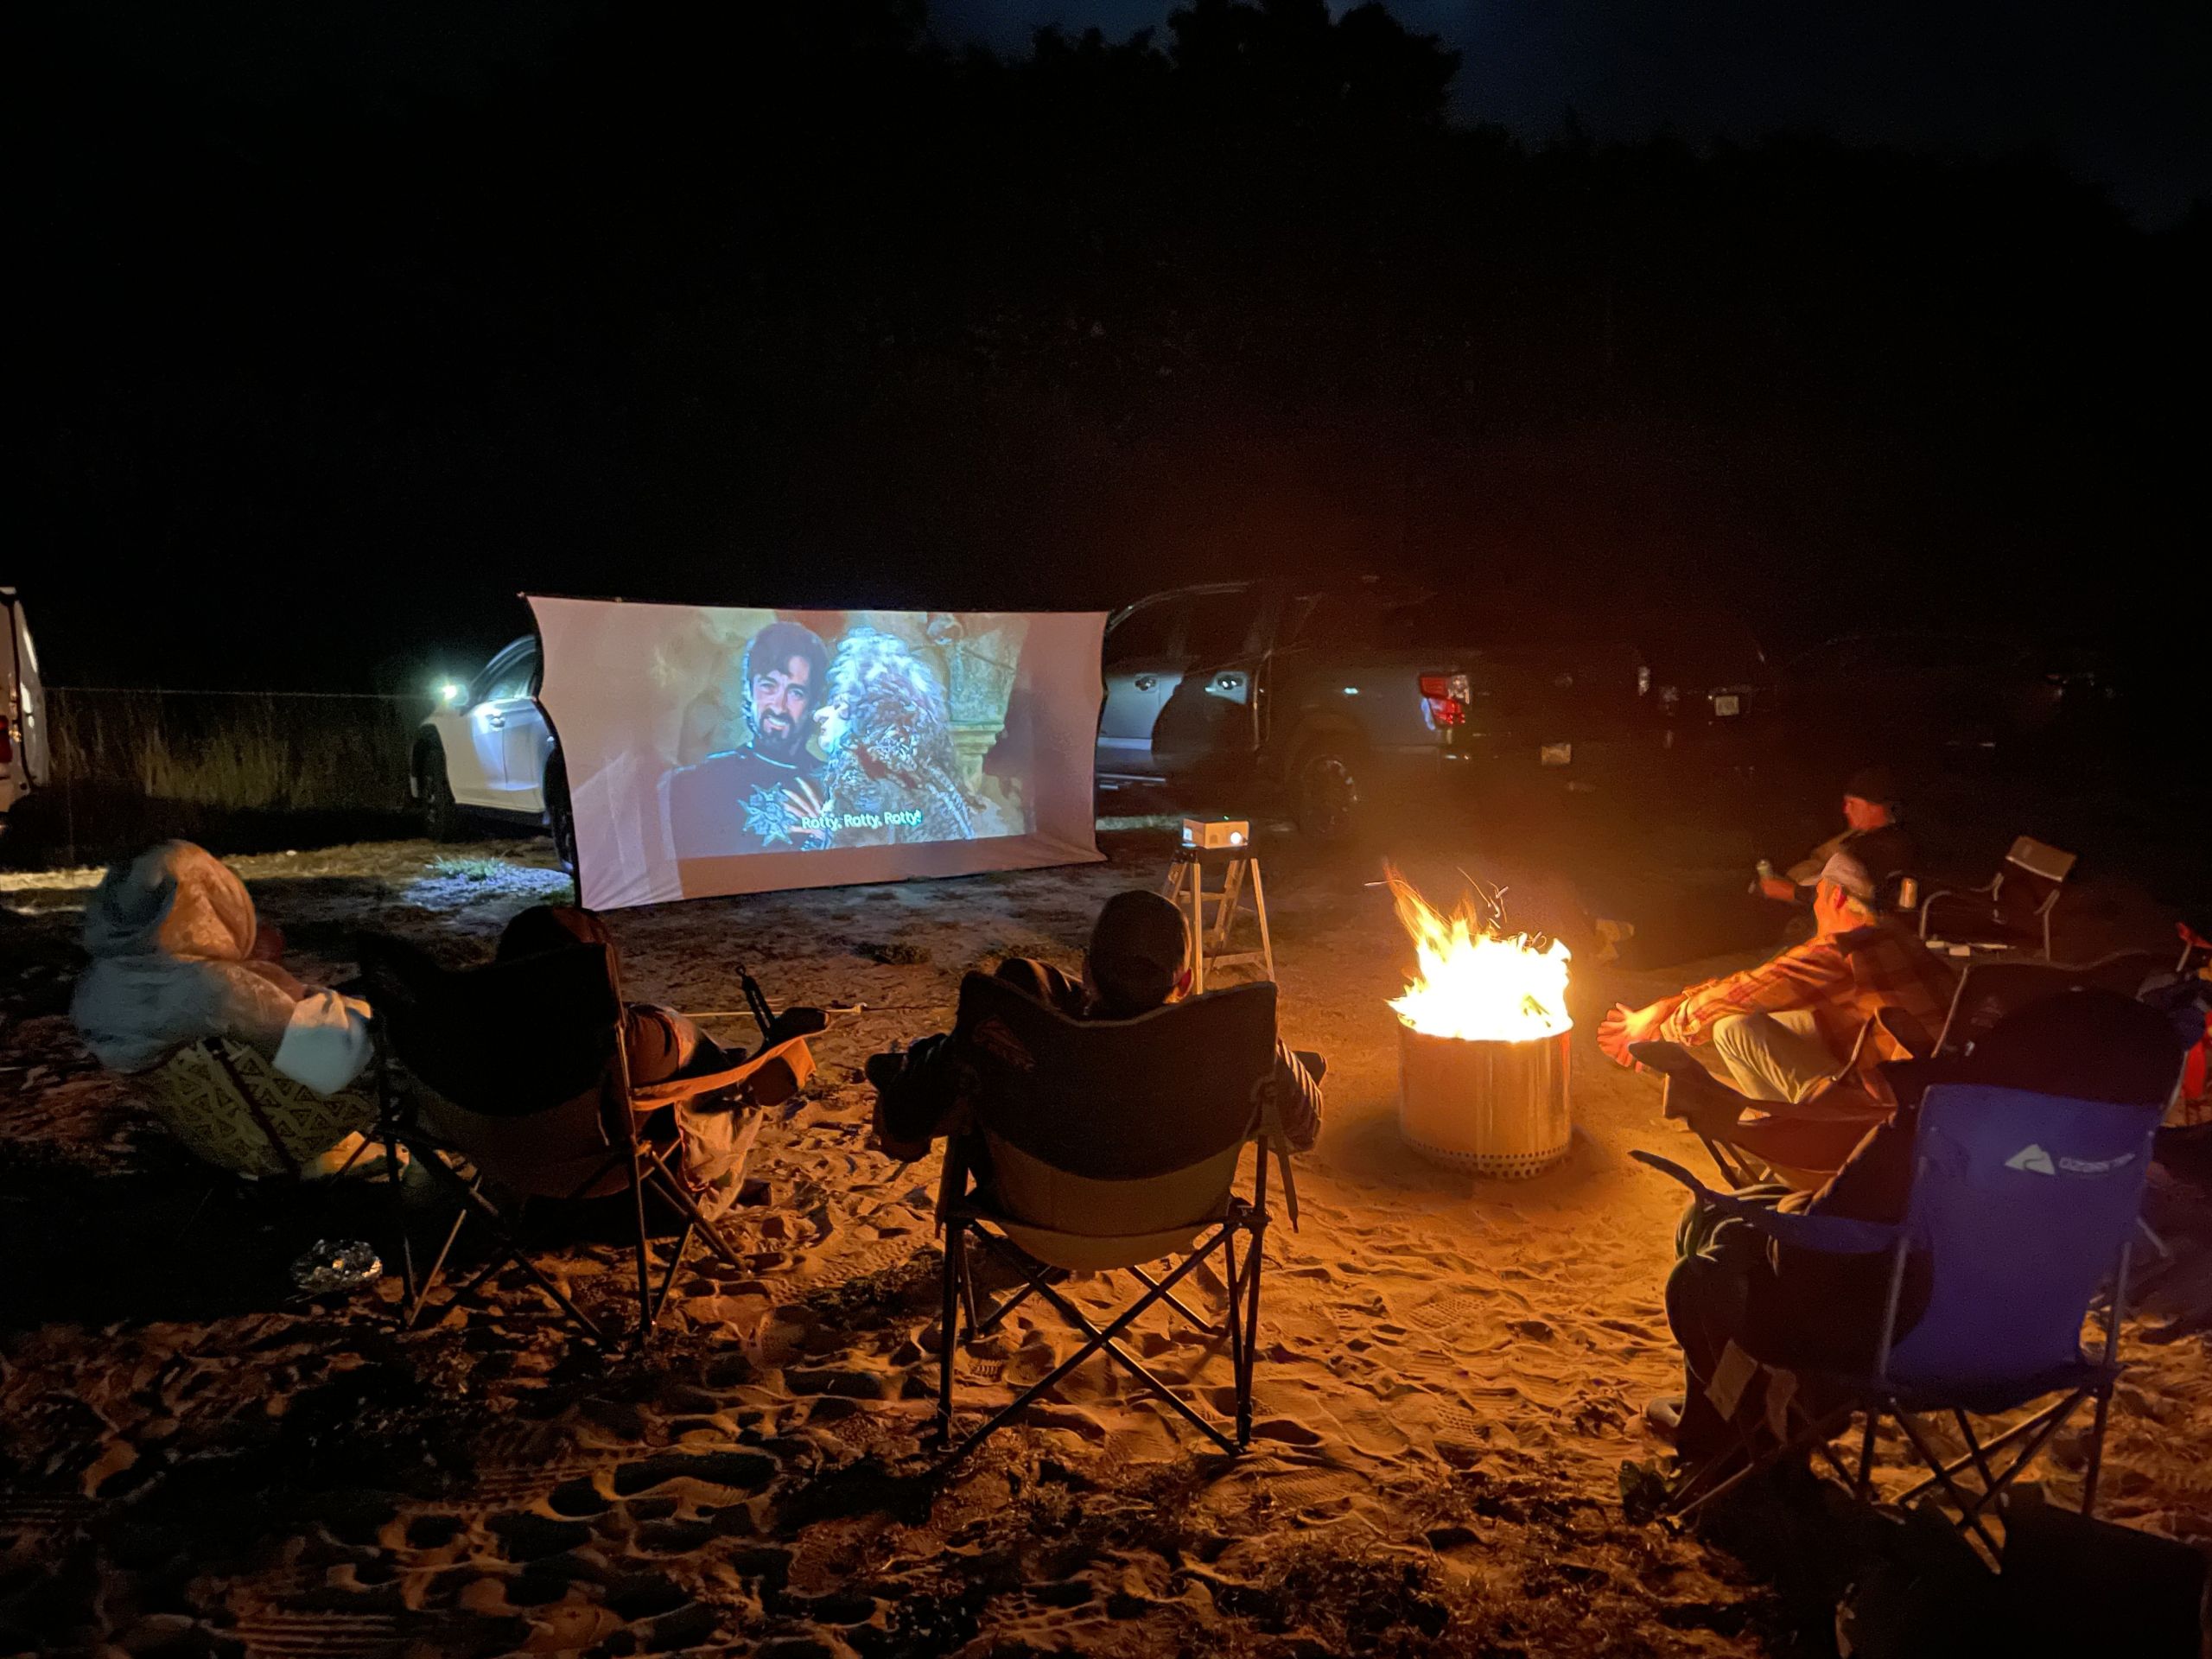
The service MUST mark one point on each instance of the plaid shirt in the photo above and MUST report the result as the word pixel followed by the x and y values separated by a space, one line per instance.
pixel 1841 981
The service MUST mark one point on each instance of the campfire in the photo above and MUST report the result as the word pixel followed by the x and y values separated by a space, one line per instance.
pixel 1483 1034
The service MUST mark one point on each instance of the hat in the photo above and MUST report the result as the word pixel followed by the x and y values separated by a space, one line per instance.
pixel 1872 783
pixel 1138 949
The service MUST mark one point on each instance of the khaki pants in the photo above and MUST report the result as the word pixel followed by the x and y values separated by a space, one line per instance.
pixel 1778 1057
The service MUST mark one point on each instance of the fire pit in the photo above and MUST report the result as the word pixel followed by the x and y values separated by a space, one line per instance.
pixel 1483 1034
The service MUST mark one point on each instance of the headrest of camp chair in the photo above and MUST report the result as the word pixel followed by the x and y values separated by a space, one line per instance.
pixel 2084 1044
pixel 502 1040
pixel 1119 1100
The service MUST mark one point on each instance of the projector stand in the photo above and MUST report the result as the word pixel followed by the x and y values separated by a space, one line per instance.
pixel 1210 944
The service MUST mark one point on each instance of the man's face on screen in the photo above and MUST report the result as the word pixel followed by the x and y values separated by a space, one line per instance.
pixel 781 698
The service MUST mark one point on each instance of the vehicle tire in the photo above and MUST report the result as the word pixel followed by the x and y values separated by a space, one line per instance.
pixel 1327 796
pixel 560 815
pixel 441 816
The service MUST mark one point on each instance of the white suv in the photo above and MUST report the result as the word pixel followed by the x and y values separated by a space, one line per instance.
pixel 488 751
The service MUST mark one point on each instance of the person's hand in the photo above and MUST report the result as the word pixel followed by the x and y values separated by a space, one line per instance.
pixel 1624 1025
pixel 807 806
pixel 1779 888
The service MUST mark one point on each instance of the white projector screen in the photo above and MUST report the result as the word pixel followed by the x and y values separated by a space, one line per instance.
pixel 713 751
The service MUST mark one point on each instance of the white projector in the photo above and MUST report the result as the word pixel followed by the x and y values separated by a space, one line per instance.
pixel 1214 835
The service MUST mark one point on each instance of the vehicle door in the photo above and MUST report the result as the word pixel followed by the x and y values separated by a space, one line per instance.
pixel 22 708
pixel 476 753
pixel 1140 661
pixel 1206 723
pixel 528 739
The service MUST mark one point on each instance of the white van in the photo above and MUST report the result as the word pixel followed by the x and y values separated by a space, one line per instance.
pixel 22 709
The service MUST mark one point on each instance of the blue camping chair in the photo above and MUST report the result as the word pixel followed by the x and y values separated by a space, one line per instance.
pixel 2022 1205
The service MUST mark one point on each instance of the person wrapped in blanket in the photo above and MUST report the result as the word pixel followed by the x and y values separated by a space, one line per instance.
pixel 661 1044
pixel 1730 1284
pixel 179 957
pixel 1137 961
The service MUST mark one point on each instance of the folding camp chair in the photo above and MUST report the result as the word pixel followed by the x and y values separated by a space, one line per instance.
pixel 520 1068
pixel 2022 1207
pixel 1104 1146
pixel 1989 992
pixel 233 1109
pixel 2013 906
pixel 1799 1144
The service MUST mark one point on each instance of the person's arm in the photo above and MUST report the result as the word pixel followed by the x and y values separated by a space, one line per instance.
pixel 1296 1109
pixel 325 1043
pixel 1799 977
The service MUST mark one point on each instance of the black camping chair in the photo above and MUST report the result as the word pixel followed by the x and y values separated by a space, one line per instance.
pixel 1989 992
pixel 521 1069
pixel 2012 907
pixel 1104 1146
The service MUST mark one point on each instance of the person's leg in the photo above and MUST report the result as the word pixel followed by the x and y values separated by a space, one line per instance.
pixel 1767 1058
pixel 1707 1295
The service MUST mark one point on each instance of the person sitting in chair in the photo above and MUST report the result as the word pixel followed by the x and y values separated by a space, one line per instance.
pixel 1870 803
pixel 1730 1284
pixel 1138 961
pixel 179 957
pixel 1783 1031
pixel 660 1045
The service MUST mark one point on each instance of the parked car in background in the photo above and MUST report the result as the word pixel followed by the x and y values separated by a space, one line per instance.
pixel 1333 701
pixel 22 709
pixel 1949 695
pixel 487 751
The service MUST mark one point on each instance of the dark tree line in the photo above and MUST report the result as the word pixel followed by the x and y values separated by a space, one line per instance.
pixel 425 304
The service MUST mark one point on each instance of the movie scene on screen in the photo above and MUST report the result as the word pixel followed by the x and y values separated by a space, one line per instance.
pixel 809 731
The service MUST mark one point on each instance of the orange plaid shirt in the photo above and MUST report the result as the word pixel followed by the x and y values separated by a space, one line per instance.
pixel 1841 981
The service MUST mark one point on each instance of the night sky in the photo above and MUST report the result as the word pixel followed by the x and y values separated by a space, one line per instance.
pixel 348 323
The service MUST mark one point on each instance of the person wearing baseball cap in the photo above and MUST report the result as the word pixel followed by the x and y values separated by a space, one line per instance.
pixel 1871 802
pixel 1782 1031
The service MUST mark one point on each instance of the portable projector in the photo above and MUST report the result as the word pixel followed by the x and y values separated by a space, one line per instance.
pixel 1214 835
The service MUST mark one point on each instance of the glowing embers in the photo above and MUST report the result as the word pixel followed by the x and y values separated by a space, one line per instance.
pixel 1475 984
pixel 1483 1036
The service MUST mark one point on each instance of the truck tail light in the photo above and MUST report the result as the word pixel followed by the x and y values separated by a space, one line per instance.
pixel 7 741
pixel 1444 698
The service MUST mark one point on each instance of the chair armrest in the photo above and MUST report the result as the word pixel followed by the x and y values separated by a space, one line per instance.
pixel 1829 1234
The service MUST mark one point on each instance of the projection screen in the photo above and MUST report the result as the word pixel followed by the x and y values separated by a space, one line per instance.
pixel 716 750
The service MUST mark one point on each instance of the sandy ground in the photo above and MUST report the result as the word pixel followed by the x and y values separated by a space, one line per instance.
pixel 192 1459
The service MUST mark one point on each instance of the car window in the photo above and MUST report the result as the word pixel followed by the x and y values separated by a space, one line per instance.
pixel 1341 621
pixel 1219 626
pixel 1148 631
pixel 510 673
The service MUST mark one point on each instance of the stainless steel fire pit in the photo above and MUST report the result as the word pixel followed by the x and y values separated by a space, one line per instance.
pixel 1495 1107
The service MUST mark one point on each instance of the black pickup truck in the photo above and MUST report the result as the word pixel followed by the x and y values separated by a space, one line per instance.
pixel 1334 701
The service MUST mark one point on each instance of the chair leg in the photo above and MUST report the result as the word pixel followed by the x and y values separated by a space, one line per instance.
pixel 1968 1511
pixel 949 1331
pixel 645 1308
pixel 1252 1260
pixel 2096 1452
pixel 1099 1338
pixel 1177 1303
pixel 666 1182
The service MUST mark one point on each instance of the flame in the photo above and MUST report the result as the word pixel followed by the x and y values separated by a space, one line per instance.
pixel 1474 983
